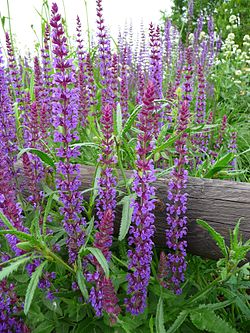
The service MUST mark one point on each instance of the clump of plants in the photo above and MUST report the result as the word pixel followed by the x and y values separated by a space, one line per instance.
pixel 139 108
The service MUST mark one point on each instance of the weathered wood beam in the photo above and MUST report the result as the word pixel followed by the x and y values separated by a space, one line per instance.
pixel 220 203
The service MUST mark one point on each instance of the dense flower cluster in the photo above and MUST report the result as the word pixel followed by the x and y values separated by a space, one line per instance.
pixel 84 103
pixel 142 228
pixel 104 54
pixel 9 306
pixel 8 183
pixel 102 296
pixel 65 116
pixel 176 208
pixel 15 77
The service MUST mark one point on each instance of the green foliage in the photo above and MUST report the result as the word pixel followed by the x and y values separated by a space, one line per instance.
pixel 100 258
pixel 207 320
pixel 127 211
pixel 41 154
pixel 32 286
pixel 216 236
pixel 159 320
pixel 221 10
pixel 6 271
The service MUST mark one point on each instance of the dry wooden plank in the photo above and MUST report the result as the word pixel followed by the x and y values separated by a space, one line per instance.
pixel 220 203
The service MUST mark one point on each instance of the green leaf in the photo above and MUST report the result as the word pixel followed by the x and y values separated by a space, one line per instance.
pixel 178 322
pixel 81 283
pixel 44 327
pixel 207 320
pixel 151 324
pixel 21 235
pixel 31 86
pixel 100 258
pixel 215 235
pixel 127 212
pixel 166 144
pixel 159 320
pixel 41 154
pixel 35 227
pixel 95 185
pixel 46 212
pixel 6 271
pixel 118 121
pixel 162 135
pixel 26 246
pixel 85 144
pixel 6 221
pixel 235 239
pixel 220 165
pixel 32 286
pixel 130 120
pixel 217 306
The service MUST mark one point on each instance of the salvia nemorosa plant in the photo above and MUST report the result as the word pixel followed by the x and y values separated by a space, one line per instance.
pixel 65 121
pixel 137 105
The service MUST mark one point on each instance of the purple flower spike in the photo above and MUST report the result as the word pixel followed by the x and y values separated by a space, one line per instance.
pixel 104 54
pixel 65 116
pixel 8 150
pixel 103 296
pixel 176 209
pixel 15 77
pixel 142 228
pixel 84 103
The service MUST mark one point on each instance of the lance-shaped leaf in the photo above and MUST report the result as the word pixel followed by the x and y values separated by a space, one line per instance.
pixel 32 286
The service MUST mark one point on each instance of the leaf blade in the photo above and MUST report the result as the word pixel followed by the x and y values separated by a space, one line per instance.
pixel 32 287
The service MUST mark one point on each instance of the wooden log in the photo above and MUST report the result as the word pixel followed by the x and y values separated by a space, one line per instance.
pixel 218 202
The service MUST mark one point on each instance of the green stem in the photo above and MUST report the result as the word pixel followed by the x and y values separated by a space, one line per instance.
pixel 10 31
pixel 87 19
pixel 121 167
pixel 59 260
pixel 203 292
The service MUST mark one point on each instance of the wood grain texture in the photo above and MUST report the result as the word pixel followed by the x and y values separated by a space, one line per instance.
pixel 218 202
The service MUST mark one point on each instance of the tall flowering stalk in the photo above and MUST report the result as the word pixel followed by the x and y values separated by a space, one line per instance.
pixel 91 81
pixel 124 92
pixel 103 296
pixel 114 80
pixel 104 54
pixel 65 120
pixel 15 77
pixel 107 182
pixel 46 108
pixel 82 78
pixel 176 208
pixel 155 59
pixel 200 114
pixel 155 73
pixel 168 43
pixel 8 149
pixel 232 147
pixel 142 228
